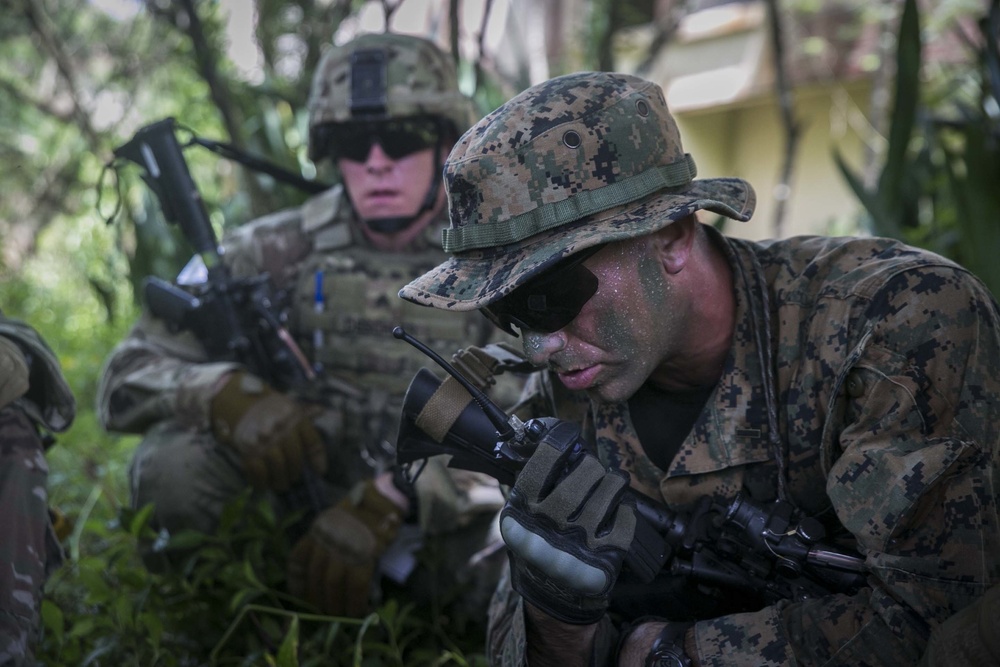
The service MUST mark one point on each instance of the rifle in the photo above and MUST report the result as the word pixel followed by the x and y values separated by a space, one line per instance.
pixel 765 550
pixel 240 320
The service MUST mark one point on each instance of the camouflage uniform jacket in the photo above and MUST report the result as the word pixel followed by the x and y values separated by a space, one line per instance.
pixel 155 375
pixel 33 394
pixel 881 375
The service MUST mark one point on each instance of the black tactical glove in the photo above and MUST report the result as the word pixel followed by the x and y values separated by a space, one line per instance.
pixel 567 528
pixel 273 433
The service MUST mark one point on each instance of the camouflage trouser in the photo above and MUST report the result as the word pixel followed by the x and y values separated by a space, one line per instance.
pixel 970 638
pixel 27 547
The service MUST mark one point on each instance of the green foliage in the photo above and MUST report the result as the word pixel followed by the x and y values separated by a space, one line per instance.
pixel 210 599
pixel 76 83
pixel 223 605
pixel 938 186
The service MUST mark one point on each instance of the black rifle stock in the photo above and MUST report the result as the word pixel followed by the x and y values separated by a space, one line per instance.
pixel 235 319
pixel 766 550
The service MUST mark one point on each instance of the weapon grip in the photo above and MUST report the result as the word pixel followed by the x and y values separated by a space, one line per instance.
pixel 649 551
pixel 169 303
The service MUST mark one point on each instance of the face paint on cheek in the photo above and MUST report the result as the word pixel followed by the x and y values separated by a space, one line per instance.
pixel 628 323
pixel 651 279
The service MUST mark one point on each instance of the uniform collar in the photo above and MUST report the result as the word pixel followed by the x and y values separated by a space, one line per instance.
pixel 732 430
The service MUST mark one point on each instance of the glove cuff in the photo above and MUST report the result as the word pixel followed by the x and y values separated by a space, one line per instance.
pixel 552 598
pixel 231 401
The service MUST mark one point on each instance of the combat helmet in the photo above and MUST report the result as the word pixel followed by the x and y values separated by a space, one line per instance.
pixel 381 77
pixel 386 77
pixel 568 164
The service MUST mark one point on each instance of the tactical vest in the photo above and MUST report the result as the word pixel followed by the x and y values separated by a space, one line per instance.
pixel 344 307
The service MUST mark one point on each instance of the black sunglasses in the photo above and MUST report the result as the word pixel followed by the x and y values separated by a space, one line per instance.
pixel 398 138
pixel 550 301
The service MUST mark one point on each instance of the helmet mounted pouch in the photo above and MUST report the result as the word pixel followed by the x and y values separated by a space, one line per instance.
pixel 368 83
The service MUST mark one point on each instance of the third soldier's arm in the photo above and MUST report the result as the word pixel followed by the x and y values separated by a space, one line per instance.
pixel 154 375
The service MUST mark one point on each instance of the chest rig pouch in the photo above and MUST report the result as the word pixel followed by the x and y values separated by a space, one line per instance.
pixel 344 308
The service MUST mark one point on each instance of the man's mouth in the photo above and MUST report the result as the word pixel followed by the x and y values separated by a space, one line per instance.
pixel 380 195
pixel 579 379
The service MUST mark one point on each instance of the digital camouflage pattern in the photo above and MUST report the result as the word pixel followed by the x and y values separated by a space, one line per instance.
pixel 863 382
pixel 571 163
pixel 160 384
pixel 420 80
pixel 969 638
pixel 28 548
pixel 887 391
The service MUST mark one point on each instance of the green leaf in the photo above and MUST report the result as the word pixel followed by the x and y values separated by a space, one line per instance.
pixel 140 520
pixel 187 539
pixel 289 650
pixel 153 626
pixel 53 620
pixel 82 626
pixel 904 112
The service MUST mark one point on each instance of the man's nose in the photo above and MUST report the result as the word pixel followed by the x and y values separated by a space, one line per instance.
pixel 539 347
pixel 377 158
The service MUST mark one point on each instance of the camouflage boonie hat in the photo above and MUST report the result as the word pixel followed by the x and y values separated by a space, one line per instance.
pixel 574 162
pixel 420 79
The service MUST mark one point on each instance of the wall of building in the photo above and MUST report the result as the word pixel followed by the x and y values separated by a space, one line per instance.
pixel 718 75
pixel 747 140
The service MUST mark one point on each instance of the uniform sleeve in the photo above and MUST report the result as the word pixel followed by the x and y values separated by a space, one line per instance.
pixel 34 377
pixel 506 639
pixel 154 375
pixel 914 480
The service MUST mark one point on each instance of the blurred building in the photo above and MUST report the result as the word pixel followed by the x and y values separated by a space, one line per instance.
pixel 715 59
pixel 719 74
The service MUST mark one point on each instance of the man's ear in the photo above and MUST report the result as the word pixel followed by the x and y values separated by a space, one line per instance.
pixel 675 243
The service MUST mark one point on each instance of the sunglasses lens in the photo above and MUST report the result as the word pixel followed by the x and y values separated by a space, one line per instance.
pixel 406 137
pixel 549 302
pixel 350 146
pixel 398 138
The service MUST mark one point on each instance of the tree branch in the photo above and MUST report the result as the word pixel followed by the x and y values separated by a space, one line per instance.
pixel 786 106
pixel 41 25
pixel 205 58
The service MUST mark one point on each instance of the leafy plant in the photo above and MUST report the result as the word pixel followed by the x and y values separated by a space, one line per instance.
pixel 938 186
pixel 220 601
pixel 224 605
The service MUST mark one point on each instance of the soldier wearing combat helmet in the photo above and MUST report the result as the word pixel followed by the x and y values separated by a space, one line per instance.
pixel 855 379
pixel 385 109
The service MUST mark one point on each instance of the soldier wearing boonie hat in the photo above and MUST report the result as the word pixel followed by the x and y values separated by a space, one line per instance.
pixel 856 379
